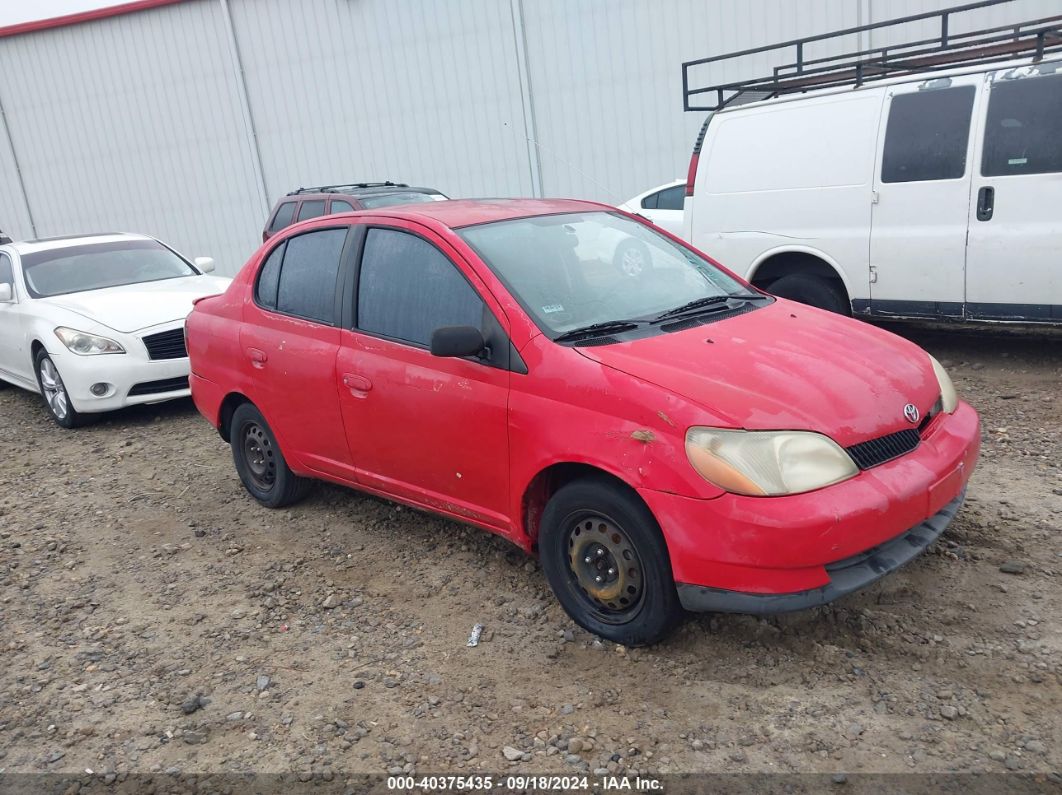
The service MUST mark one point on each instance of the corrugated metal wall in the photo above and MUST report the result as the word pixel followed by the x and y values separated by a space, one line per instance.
pixel 139 122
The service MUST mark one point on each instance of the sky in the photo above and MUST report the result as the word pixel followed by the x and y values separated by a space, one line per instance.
pixel 12 12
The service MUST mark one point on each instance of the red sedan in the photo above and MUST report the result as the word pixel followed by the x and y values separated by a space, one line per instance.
pixel 663 439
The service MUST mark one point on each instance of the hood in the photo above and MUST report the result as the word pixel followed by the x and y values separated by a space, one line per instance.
pixel 136 306
pixel 786 366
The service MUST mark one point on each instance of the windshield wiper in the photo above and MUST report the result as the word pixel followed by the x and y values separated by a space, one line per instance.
pixel 699 303
pixel 597 329
pixel 750 296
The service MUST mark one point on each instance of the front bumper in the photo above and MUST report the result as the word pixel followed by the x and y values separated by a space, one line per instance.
pixel 793 545
pixel 846 576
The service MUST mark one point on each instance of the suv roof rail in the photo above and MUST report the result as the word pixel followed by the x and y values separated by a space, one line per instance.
pixel 1035 37
pixel 343 188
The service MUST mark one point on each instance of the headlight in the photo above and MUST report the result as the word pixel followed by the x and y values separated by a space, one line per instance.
pixel 949 399
pixel 767 463
pixel 87 344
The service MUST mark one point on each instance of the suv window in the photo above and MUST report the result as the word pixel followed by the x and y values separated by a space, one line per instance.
pixel 408 288
pixel 1024 127
pixel 927 135
pixel 340 206
pixel 285 212
pixel 671 198
pixel 311 209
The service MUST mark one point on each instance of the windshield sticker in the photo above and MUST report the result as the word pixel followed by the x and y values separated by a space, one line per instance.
pixel 549 309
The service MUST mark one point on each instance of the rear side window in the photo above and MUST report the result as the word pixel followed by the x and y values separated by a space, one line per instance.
pixel 311 209
pixel 671 198
pixel 927 135
pixel 340 206
pixel 269 278
pixel 308 276
pixel 1023 133
pixel 285 213
pixel 408 288
pixel 649 202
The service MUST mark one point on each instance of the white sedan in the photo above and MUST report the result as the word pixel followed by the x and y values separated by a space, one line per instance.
pixel 663 205
pixel 96 323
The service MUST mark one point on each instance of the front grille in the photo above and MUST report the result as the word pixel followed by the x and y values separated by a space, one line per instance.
pixel 884 448
pixel 158 387
pixel 166 344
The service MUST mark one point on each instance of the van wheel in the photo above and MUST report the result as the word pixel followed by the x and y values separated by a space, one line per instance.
pixel 605 558
pixel 259 462
pixel 813 291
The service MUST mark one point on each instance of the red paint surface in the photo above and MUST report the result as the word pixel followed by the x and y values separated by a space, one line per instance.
pixel 84 16
pixel 393 420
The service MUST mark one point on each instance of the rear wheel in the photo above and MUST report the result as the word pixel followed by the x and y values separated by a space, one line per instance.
pixel 259 462
pixel 813 291
pixel 605 558
pixel 632 258
pixel 53 390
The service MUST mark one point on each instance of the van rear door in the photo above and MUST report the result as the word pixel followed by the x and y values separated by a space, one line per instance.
pixel 922 198
pixel 1014 256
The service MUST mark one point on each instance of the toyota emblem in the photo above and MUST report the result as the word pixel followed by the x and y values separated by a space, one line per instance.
pixel 910 411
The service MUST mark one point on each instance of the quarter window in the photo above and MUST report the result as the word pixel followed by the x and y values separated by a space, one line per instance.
pixel 649 202
pixel 927 135
pixel 408 288
pixel 285 213
pixel 1023 133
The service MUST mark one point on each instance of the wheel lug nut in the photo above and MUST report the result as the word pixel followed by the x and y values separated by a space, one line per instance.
pixel 587 559
pixel 611 572
pixel 599 578
pixel 600 551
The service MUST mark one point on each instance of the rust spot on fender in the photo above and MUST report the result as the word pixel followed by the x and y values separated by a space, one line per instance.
pixel 643 435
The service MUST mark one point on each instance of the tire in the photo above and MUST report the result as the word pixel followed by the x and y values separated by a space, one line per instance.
pixel 53 390
pixel 813 291
pixel 632 258
pixel 260 464
pixel 585 517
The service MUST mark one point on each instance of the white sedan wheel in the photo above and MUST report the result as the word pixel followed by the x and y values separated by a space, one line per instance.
pixel 54 390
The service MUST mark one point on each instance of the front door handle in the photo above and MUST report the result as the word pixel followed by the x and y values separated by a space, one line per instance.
pixel 356 383
pixel 258 357
pixel 986 203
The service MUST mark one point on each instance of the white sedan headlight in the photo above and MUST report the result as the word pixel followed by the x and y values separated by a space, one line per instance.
pixel 87 344
pixel 767 463
pixel 949 398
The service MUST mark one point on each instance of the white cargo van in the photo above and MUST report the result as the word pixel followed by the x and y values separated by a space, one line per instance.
pixel 928 195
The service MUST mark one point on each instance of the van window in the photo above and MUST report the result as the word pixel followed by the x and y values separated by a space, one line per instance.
pixel 927 135
pixel 408 288
pixel 1023 133
pixel 283 217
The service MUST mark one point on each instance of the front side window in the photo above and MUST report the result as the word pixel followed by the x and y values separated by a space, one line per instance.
pixel 6 275
pixel 311 209
pixel 927 135
pixel 408 288
pixel 284 216
pixel 576 269
pixel 1023 132
pixel 97 266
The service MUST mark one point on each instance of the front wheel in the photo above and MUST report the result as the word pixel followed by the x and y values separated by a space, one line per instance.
pixel 605 558
pixel 259 462
pixel 53 390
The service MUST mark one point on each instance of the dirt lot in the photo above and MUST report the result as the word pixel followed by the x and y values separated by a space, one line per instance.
pixel 153 618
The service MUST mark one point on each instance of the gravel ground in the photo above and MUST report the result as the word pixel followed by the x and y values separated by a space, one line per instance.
pixel 153 618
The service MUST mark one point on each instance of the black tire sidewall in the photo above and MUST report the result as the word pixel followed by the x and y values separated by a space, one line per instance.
pixel 812 291
pixel 286 485
pixel 658 609
pixel 72 419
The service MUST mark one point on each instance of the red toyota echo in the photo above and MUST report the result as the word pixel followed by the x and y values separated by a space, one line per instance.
pixel 663 437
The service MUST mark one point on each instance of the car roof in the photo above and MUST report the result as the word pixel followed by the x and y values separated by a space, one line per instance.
pixel 50 243
pixel 456 213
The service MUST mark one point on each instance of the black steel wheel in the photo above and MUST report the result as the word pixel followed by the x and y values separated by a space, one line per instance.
pixel 260 462
pixel 606 560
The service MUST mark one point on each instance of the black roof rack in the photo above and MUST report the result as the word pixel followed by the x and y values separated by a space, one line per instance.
pixel 1034 37
pixel 347 187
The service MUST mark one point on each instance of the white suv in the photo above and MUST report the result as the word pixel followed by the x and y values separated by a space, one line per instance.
pixel 934 195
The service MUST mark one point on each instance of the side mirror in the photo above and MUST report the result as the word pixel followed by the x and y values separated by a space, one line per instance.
pixel 7 294
pixel 205 264
pixel 457 341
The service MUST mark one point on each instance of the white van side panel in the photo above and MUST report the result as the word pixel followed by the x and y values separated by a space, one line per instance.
pixel 802 170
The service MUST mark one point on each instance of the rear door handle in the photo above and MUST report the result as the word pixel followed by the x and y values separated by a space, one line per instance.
pixel 356 383
pixel 986 203
pixel 258 357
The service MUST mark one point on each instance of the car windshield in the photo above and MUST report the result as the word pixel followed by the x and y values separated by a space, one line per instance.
pixel 390 199
pixel 95 266
pixel 575 270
